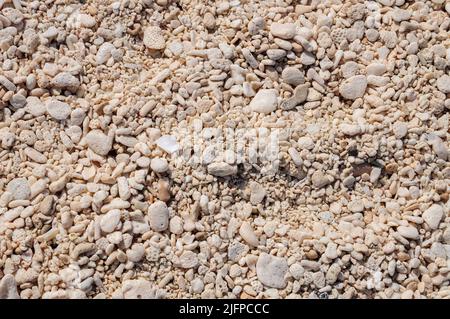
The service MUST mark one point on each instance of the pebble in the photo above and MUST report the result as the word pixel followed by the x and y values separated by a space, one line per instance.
pixel 248 234
pixel 409 232
pixel 222 169
pixel 189 260
pixel 433 215
pixel 283 30
pixel 104 53
pixel 443 84
pixel 350 129
pixel 353 87
pixel 158 214
pixel 271 270
pixel 293 76
pixel 98 142
pixel 319 179
pixel 140 289
pixel 19 188
pixel 65 80
pixel 58 110
pixel 154 38
pixel 265 101
pixel 257 193
pixel 159 165
pixel 168 143
pixel 110 220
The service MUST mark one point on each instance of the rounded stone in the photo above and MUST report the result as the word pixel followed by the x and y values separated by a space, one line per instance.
pixel 158 216
pixel 159 165
pixel 293 76
pixel 58 110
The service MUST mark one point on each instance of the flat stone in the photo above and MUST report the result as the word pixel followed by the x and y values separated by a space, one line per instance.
pixel 65 80
pixel 19 188
pixel 110 220
pixel 276 54
pixel 265 101
pixel 158 215
pixel 283 30
pixel 168 143
pixel 271 270
pixel 140 289
pixel 353 87
pixel 433 215
pixel 188 260
pixel 58 110
pixel 293 76
pixel 98 142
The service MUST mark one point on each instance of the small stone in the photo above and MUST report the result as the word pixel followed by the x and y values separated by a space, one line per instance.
pixel 376 69
pixel 58 110
pixel 409 232
pixel 65 80
pixel 221 169
pixel 247 233
pixel 283 30
pixel 257 193
pixel 400 129
pixel 443 84
pixel 110 220
pixel 197 285
pixel 86 20
pixel 356 206
pixel 98 142
pixel 168 143
pixel 255 25
pixel 271 270
pixel 154 38
pixel 7 84
pixel 332 274
pixel 8 287
pixel 209 21
pixel 438 146
pixel 276 54
pixel 349 69
pixel 305 143
pixel 140 289
pixel 265 101
pixel 46 205
pixel 104 53
pixel 307 58
pixel 189 260
pixel 159 165
pixel 18 101
pixel 136 253
pixel 19 188
pixel 293 76
pixel 353 87
pixel 433 215
pixel 319 179
pixel 350 129
pixel 158 216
